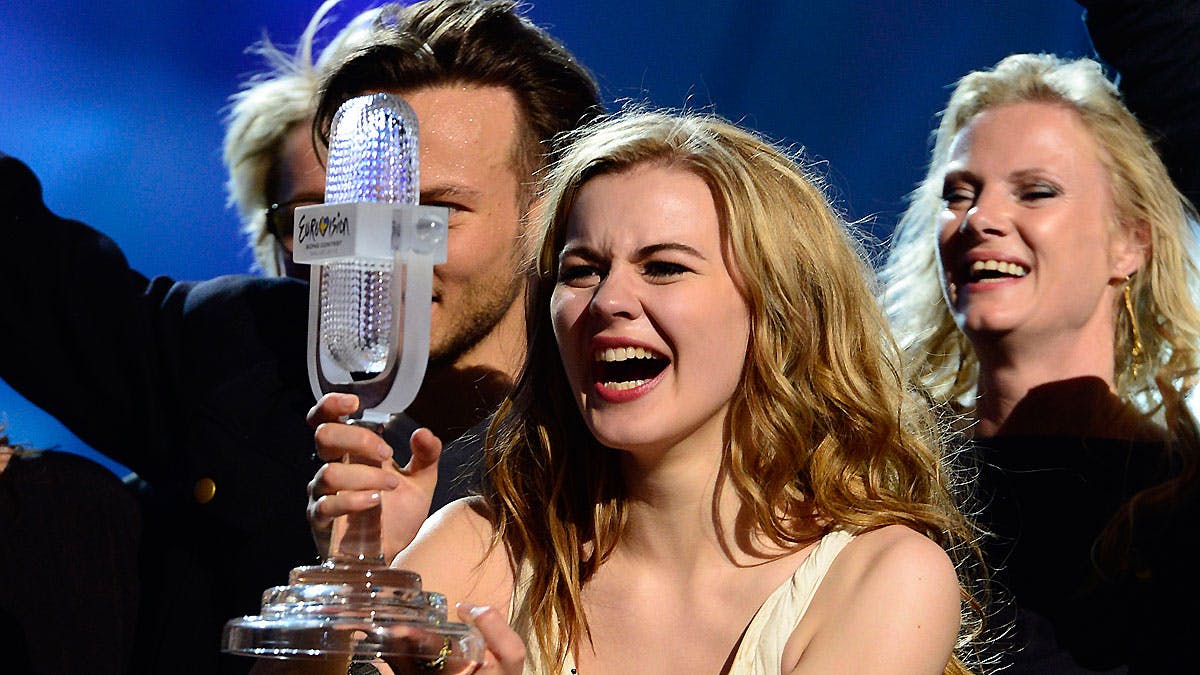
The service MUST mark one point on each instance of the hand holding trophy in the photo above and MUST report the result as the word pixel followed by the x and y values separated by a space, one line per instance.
pixel 372 249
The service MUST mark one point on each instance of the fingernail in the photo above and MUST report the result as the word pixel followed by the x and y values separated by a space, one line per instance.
pixel 471 611
pixel 374 497
pixel 385 451
pixel 393 481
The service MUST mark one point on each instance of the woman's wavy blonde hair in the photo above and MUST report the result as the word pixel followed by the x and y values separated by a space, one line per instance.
pixel 1164 293
pixel 822 433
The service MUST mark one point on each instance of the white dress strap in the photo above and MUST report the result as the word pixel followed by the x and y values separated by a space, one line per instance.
pixel 761 649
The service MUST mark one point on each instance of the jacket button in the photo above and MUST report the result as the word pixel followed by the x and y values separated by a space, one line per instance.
pixel 204 490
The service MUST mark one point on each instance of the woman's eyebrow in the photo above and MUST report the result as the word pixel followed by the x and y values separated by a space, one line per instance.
pixel 959 174
pixel 647 251
pixel 578 251
pixel 644 252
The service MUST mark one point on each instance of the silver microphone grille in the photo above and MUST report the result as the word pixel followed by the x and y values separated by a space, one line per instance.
pixel 373 157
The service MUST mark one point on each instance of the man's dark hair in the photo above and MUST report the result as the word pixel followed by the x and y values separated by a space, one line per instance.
pixel 477 42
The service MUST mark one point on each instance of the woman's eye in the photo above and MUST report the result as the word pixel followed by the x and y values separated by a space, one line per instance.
pixel 578 274
pixel 1035 192
pixel 663 269
pixel 956 196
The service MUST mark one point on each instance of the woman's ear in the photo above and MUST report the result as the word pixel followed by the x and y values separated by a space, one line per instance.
pixel 1131 248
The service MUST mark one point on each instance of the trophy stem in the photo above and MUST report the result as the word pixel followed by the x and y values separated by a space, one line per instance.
pixel 361 539
pixel 360 533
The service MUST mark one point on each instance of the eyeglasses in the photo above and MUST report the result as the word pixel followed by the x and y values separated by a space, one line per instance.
pixel 280 217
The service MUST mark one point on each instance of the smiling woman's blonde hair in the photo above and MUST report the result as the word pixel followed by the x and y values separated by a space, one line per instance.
pixel 1163 294
pixel 822 432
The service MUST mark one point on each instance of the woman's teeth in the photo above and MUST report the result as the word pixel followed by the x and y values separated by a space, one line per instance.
pixel 992 270
pixel 614 354
pixel 622 386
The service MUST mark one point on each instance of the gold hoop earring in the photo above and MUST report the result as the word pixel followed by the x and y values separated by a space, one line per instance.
pixel 1138 350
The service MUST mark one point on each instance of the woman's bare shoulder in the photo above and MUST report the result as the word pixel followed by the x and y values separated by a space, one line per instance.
pixel 466 517
pixel 893 588
pixel 897 549
pixel 455 556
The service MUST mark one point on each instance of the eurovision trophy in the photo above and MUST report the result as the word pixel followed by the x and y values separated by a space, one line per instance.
pixel 372 249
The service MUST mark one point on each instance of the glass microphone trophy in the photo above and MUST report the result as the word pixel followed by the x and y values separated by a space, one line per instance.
pixel 372 249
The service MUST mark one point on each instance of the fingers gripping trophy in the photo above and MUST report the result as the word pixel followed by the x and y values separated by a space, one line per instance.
pixel 372 249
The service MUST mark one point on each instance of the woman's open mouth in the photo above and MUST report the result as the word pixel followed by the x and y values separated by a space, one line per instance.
pixel 623 369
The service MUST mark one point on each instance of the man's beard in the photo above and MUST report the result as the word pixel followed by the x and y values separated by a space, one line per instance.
pixel 481 311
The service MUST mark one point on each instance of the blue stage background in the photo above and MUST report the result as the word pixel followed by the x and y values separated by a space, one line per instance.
pixel 118 106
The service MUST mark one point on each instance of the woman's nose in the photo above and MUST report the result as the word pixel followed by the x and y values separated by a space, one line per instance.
pixel 616 296
pixel 984 219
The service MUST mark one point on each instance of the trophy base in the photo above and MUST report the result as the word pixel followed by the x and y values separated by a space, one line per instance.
pixel 361 611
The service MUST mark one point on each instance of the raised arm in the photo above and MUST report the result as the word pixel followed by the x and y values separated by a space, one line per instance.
pixel 85 336
pixel 178 381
